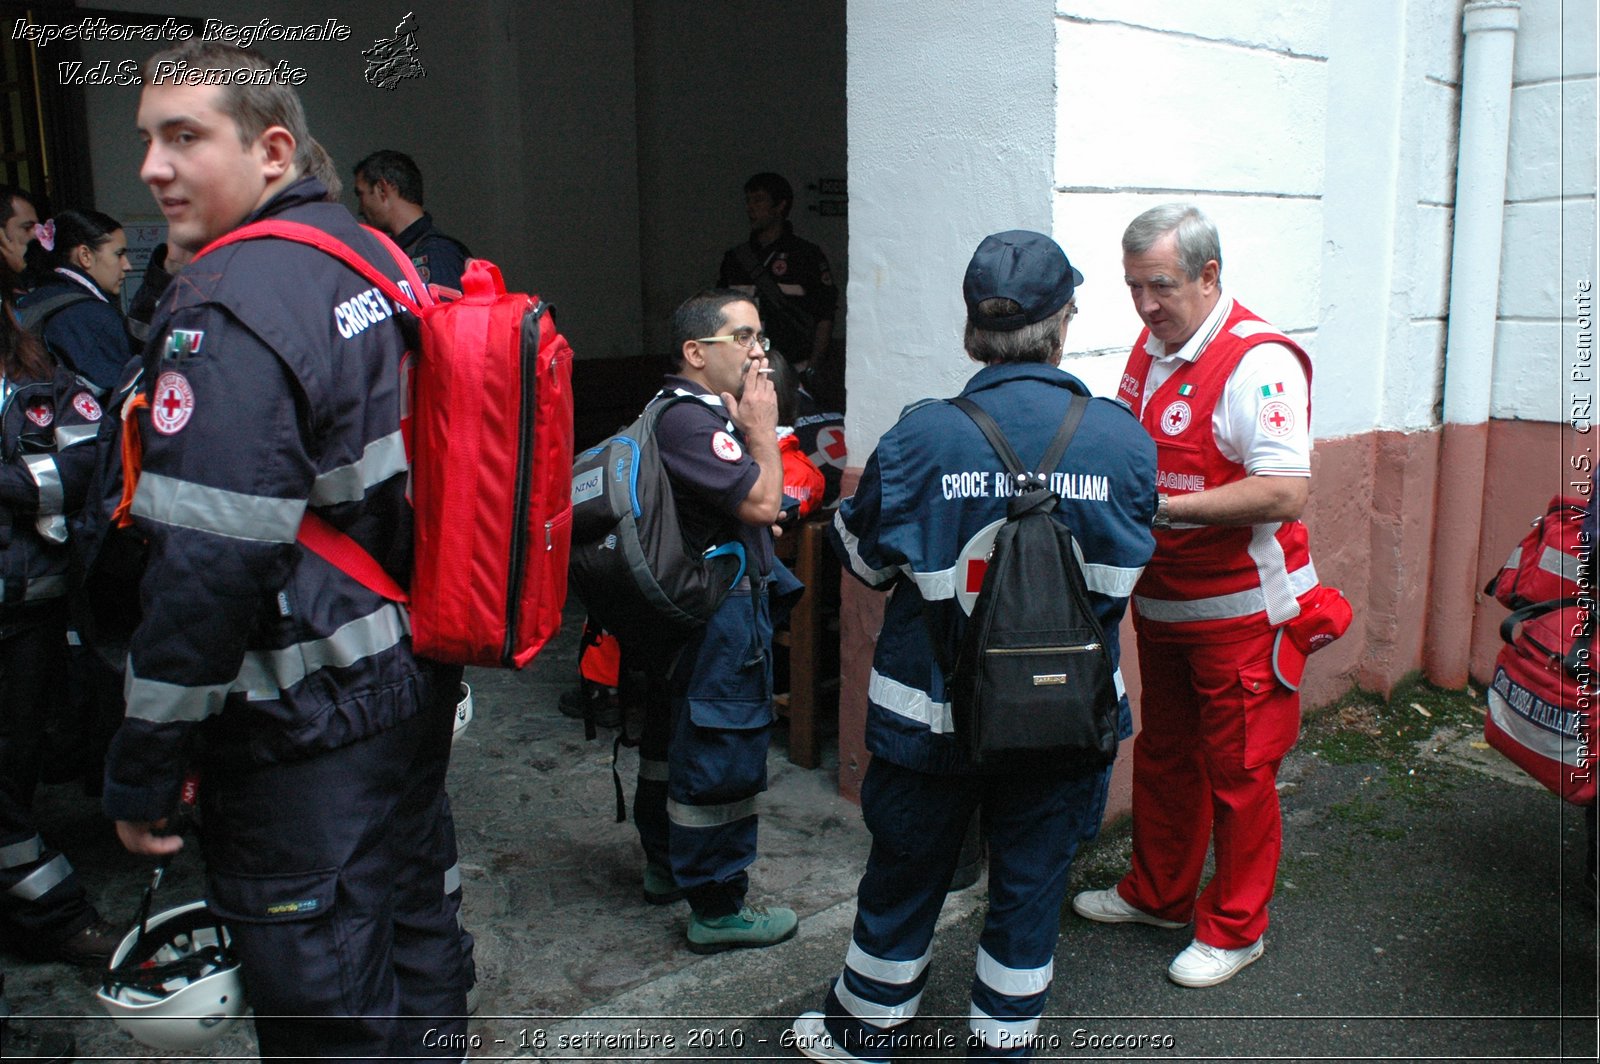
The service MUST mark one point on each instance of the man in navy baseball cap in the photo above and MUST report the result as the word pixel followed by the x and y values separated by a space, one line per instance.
pixel 1026 267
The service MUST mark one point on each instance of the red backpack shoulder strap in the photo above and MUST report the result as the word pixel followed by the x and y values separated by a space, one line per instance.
pixel 316 534
pixel 349 557
pixel 310 235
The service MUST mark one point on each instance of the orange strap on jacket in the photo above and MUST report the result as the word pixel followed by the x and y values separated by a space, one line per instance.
pixel 132 459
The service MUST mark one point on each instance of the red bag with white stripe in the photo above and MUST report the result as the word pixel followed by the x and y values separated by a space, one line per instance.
pixel 1542 700
pixel 1544 566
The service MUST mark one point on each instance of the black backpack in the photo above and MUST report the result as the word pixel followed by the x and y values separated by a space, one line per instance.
pixel 1033 675
pixel 35 315
pixel 630 564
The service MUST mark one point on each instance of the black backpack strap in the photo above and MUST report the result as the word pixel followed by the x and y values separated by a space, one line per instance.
pixel 1076 407
pixel 1508 627
pixel 773 297
pixel 33 317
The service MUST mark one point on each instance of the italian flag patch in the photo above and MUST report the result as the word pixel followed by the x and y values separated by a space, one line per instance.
pixel 183 343
pixel 1269 390
pixel 1185 389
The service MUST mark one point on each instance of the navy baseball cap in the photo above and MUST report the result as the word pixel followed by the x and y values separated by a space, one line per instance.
pixel 1024 266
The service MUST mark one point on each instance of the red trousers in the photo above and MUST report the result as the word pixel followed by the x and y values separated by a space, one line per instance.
pixel 1215 725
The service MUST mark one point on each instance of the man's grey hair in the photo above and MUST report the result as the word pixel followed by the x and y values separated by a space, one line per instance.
pixel 1198 242
pixel 1039 342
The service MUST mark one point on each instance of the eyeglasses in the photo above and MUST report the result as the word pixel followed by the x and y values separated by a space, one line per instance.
pixel 1072 310
pixel 745 338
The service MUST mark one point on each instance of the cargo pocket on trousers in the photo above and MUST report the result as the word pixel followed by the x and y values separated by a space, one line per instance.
pixel 283 930
pixel 1271 714
pixel 273 899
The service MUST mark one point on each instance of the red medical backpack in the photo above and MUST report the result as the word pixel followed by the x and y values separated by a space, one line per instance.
pixel 490 444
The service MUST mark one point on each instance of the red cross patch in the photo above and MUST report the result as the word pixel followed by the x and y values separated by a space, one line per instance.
pixel 1277 418
pixel 171 403
pixel 726 447
pixel 41 414
pixel 1176 417
pixel 84 404
pixel 780 266
pixel 830 447
pixel 972 563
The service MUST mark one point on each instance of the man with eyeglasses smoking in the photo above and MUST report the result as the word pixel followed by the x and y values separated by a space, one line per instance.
pixel 703 754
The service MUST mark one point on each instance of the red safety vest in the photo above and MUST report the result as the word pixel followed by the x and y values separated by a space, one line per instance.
pixel 1212 579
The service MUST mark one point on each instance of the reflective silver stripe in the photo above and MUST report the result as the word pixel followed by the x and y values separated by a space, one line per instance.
pixel 710 816
pixel 1115 581
pixel 37 884
pixel 936 586
pixel 21 853
pixel 380 460
pixel 1220 607
pixel 72 435
pixel 874 1013
pixel 1112 580
pixel 908 702
pixel 1013 982
pixel 52 496
pixel 183 504
pixel 885 971
pixel 163 703
pixel 852 546
pixel 42 588
pixel 1551 745
pixel 654 771
pixel 1516 558
pixel 1273 572
pixel 1001 1033
pixel 1116 677
pixel 264 672
pixel 1559 563
pixel 452 878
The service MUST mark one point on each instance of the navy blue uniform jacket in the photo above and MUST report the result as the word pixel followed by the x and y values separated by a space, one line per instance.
pixel 927 492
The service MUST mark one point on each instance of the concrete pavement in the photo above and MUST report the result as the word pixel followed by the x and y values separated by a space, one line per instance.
pixel 1427 909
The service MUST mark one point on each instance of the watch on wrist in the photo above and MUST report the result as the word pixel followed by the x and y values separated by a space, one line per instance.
pixel 1163 518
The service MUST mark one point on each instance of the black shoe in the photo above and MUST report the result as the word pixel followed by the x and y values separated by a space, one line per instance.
pixel 91 947
pixel 45 1047
pixel 607 711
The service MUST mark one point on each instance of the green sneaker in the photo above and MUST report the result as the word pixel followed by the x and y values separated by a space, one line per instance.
pixel 659 886
pixel 752 926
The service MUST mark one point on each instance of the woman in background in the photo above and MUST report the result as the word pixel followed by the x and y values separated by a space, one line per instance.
pixel 77 264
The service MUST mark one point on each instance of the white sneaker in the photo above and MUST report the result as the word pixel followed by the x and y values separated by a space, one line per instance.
pixel 811 1038
pixel 1108 907
pixel 1203 965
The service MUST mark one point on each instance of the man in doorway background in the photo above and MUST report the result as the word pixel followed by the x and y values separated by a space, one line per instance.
pixel 788 277
pixel 389 188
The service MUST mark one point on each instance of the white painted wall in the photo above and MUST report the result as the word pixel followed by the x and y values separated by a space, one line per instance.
pixel 1147 116
pixel 1549 235
pixel 951 118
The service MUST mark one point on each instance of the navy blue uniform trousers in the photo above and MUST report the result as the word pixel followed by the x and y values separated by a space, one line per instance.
pixel 1033 820
pixel 329 872
pixel 703 755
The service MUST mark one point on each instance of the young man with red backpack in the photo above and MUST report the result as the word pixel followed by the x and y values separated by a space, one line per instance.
pixel 274 378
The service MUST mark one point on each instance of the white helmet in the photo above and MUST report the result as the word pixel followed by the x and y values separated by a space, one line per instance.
pixel 176 987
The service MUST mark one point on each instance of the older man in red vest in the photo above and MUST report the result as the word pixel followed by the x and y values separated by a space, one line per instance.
pixel 1226 397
